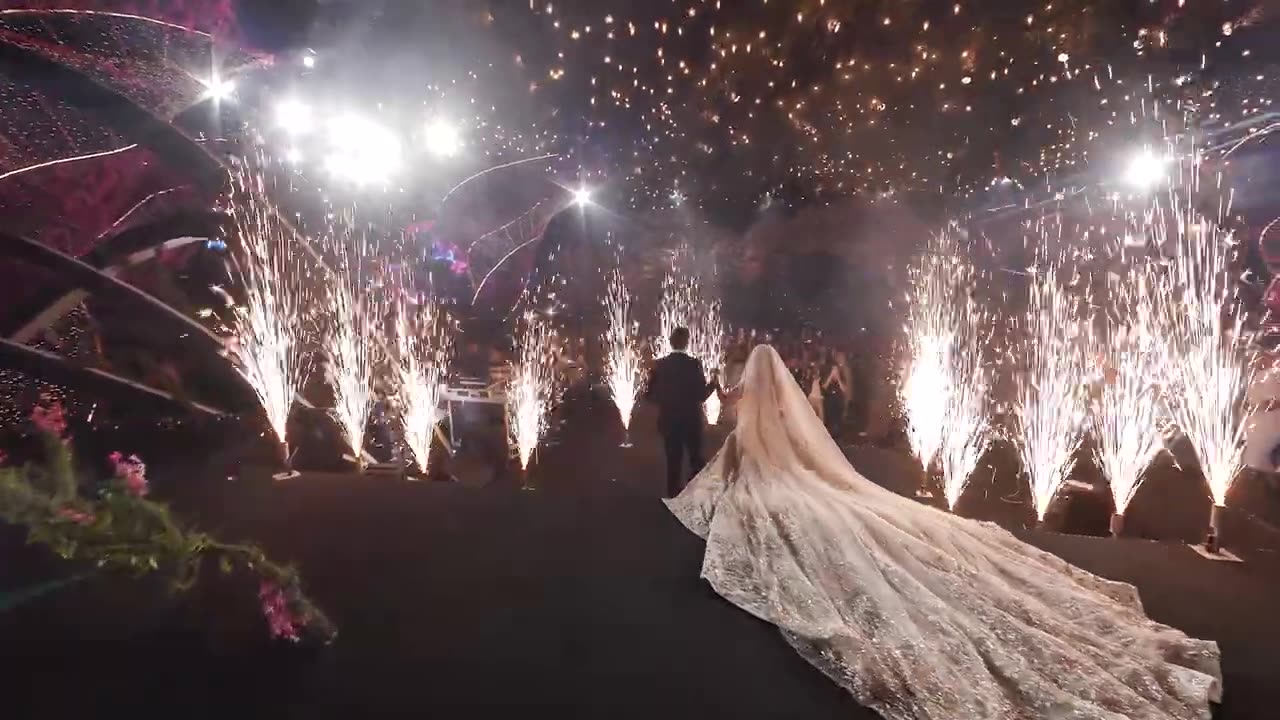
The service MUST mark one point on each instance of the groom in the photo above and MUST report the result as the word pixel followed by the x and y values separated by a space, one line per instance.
pixel 678 386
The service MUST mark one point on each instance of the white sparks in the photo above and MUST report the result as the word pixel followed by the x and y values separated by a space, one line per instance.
pixel 1127 406
pixel 1051 396
pixel 267 343
pixel 424 344
pixel 622 370
pixel 353 336
pixel 684 306
pixel 532 387
pixel 945 380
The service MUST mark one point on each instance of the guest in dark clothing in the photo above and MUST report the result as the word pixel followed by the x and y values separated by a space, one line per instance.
pixel 678 386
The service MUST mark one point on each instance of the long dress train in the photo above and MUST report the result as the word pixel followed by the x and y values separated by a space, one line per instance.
pixel 921 614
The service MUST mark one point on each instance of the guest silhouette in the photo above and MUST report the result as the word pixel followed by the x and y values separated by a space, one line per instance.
pixel 678 386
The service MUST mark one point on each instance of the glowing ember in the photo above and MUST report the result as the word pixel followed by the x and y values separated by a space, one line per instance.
pixel 424 343
pixel 268 335
pixel 945 381
pixel 1207 364
pixel 1051 395
pixel 532 387
pixel 352 338
pixel 1127 405
pixel 622 370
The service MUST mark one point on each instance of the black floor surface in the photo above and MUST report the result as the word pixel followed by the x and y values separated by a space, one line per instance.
pixel 580 599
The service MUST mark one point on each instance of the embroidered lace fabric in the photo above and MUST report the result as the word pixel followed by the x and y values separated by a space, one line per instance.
pixel 918 613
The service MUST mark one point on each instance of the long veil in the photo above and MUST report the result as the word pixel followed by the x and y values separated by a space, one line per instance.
pixel 918 613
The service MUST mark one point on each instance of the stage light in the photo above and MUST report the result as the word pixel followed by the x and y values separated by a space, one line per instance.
pixel 582 196
pixel 294 116
pixel 362 151
pixel 308 61
pixel 293 156
pixel 218 89
pixel 442 138
pixel 1146 170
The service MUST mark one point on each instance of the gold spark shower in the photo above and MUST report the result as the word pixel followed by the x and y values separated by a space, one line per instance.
pixel 268 329
pixel 622 357
pixel 532 387
pixel 353 337
pixel 1051 388
pixel 1127 413
pixel 1205 357
pixel 945 380
pixel 424 344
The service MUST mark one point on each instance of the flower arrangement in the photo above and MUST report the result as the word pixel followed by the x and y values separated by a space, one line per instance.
pixel 116 527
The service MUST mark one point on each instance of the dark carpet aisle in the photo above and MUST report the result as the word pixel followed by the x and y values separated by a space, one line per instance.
pixel 580 599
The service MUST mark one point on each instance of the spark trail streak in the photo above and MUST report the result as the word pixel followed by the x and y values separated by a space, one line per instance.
pixel 424 346
pixel 268 335
pixel 621 355
pixel 1205 353
pixel 353 336
pixel 1127 406
pixel 1051 394
pixel 532 388
pixel 945 380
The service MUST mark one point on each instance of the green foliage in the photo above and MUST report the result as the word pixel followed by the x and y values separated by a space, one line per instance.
pixel 119 530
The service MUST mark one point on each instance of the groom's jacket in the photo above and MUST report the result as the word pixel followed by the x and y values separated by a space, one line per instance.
pixel 678 386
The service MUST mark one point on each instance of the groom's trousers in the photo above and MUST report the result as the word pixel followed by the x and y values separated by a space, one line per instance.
pixel 679 439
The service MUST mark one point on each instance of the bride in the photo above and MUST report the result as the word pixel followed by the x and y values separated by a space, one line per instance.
pixel 918 613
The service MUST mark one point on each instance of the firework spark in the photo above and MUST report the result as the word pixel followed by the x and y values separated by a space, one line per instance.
pixel 1205 357
pixel 532 388
pixel 1052 401
pixel 353 337
pixel 268 331
pixel 1127 406
pixel 683 306
pixel 945 380
pixel 621 355
pixel 424 345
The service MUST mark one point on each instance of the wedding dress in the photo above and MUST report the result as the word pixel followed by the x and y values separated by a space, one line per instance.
pixel 918 613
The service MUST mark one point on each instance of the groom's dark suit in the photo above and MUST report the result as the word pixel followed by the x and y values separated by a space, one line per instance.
pixel 678 386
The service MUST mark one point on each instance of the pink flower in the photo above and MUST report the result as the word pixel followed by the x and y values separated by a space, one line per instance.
pixel 48 417
pixel 275 607
pixel 131 472
pixel 76 516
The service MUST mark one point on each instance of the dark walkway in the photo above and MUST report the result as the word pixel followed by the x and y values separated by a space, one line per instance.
pixel 578 600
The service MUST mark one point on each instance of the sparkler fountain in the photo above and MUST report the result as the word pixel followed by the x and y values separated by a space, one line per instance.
pixel 1052 401
pixel 621 355
pixel 268 331
pixel 1205 358
pixel 1127 409
pixel 683 306
pixel 353 336
pixel 945 381
pixel 424 345
pixel 531 390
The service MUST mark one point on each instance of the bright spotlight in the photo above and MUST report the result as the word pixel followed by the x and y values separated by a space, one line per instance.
pixel 582 196
pixel 362 151
pixel 294 116
pixel 442 138
pixel 1146 170
pixel 308 61
pixel 218 89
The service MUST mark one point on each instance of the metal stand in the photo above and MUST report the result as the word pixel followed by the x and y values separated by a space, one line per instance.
pixel 288 473
pixel 1117 525
pixel 1212 547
